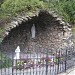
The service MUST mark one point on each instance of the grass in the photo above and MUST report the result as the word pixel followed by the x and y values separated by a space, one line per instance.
pixel 12 8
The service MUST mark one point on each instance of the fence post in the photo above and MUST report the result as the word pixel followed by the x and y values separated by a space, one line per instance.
pixel 58 57
pixel 12 62
pixel 47 63
pixel 65 60
pixel 1 62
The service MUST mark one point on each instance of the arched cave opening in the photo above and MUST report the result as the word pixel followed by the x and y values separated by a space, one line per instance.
pixel 48 34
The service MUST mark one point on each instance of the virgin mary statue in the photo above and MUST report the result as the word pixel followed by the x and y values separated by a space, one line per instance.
pixel 33 31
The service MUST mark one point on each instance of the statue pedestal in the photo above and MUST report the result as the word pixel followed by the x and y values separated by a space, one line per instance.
pixel 17 56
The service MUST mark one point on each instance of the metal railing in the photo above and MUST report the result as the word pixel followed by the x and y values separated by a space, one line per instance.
pixel 48 63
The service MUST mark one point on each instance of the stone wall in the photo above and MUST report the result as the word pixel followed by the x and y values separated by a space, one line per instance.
pixel 50 35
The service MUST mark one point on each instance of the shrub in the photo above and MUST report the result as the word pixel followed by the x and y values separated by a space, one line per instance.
pixel 65 8
pixel 5 61
pixel 69 9
pixel 13 7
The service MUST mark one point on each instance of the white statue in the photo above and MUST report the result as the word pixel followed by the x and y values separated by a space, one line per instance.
pixel 17 51
pixel 33 31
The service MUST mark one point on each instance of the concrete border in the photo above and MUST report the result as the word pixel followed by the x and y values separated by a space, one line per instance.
pixel 70 71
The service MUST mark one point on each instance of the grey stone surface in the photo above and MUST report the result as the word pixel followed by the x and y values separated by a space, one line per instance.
pixel 50 34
